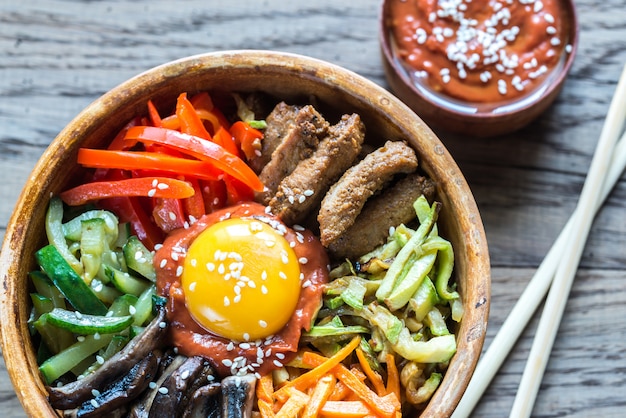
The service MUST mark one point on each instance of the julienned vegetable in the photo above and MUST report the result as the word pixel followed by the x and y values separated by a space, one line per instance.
pixel 87 308
pixel 387 314
pixel 406 315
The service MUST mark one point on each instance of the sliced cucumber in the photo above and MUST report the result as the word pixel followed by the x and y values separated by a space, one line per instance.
pixel 85 324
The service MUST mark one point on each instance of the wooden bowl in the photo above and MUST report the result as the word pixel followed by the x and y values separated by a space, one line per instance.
pixel 288 77
pixel 450 105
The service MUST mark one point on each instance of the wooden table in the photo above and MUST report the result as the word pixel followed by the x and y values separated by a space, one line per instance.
pixel 57 56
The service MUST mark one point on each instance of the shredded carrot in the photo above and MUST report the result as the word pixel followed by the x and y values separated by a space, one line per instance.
pixel 319 396
pixel 296 403
pixel 393 377
pixel 345 409
pixel 385 406
pixel 341 392
pixel 312 376
pixel 374 377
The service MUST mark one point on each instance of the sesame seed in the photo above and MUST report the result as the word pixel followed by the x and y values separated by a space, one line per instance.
pixel 163 390
pixel 550 30
pixel 185 374
pixel 226 301
pixel 162 324
pixel 152 385
pixel 163 263
pixel 210 266
pixel 280 356
pixel 262 323
pixel 151 192
pixel 548 17
pixel 226 362
pixel 192 286
pixel 155 182
pixel 193 262
pixel 80 338
pixel 284 258
pixel 230 346
pixel 264 289
pixel 237 299
pixel 292 244
pixel 174 256
pixel 78 315
pixel 303 260
pixel 270 243
pixel 282 275
pixel 96 336
pixel 179 271
pixel 132 310
pixel 172 216
pixel 277 363
pixel 237 290
pixel 291 200
pixel 306 284
pixel 221 269
pixel 555 41
pixel 163 186
pixel 95 392
pixel 94 403
pixel 264 275
pixel 157 247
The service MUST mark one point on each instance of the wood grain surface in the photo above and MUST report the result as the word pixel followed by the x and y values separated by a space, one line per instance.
pixel 56 56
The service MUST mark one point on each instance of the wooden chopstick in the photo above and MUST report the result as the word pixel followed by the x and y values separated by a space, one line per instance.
pixel 566 270
pixel 537 288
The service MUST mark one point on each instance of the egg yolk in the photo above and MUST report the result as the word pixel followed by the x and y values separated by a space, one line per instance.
pixel 241 279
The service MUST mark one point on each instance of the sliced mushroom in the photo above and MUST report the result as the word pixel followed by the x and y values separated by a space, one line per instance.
pixel 177 388
pixel 74 394
pixel 122 391
pixel 238 396
pixel 204 402
pixel 141 408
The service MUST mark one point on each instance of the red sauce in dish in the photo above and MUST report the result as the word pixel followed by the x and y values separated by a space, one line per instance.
pixel 479 51
pixel 230 357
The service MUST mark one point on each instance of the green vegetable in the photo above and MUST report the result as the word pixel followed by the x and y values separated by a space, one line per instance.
pixel 75 290
pixel 335 328
pixel 424 299
pixel 139 258
pixel 92 246
pixel 56 237
pixel 61 363
pixel 85 324
pixel 392 283
pixel 125 282
pixel 72 230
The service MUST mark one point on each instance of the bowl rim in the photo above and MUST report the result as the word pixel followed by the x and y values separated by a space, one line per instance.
pixel 480 117
pixel 29 387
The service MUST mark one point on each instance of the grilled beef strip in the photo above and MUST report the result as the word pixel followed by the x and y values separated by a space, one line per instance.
pixel 292 140
pixel 345 199
pixel 392 207
pixel 303 189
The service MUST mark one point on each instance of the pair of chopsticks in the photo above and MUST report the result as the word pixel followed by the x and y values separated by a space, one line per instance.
pixel 556 273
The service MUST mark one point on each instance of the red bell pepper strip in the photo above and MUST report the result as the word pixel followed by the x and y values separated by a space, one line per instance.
pixel 213 194
pixel 237 191
pixel 194 205
pixel 225 139
pixel 142 160
pixel 203 104
pixel 146 186
pixel 119 143
pixel 248 139
pixel 199 148
pixel 155 118
pixel 129 209
pixel 190 122
pixel 168 214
